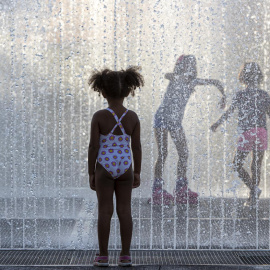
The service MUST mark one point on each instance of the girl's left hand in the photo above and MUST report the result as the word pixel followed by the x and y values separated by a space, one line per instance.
pixel 214 127
pixel 137 180
pixel 222 103
pixel 92 181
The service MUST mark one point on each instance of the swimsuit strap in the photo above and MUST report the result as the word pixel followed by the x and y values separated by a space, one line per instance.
pixel 118 121
pixel 114 114
pixel 123 115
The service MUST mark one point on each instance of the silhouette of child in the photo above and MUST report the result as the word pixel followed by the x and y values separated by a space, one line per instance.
pixel 253 104
pixel 168 119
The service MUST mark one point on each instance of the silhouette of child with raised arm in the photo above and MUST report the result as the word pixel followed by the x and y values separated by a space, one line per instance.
pixel 253 104
pixel 168 119
pixel 109 157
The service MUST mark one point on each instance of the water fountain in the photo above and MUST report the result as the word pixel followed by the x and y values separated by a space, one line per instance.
pixel 48 51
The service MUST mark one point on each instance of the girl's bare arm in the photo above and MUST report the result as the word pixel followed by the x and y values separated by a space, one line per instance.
pixel 268 112
pixel 217 84
pixel 93 145
pixel 267 105
pixel 223 118
pixel 170 76
pixel 136 147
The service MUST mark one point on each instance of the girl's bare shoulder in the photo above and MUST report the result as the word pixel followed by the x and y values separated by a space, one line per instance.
pixel 132 115
pixel 99 115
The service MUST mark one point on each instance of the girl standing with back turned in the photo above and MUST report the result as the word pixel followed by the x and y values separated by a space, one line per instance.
pixel 110 160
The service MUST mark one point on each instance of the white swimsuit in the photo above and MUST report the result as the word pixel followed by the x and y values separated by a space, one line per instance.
pixel 114 152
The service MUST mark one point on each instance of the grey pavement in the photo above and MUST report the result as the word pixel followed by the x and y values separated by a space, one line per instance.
pixel 142 267
pixel 142 259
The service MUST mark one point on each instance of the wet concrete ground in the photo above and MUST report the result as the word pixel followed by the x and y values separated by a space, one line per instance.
pixel 213 224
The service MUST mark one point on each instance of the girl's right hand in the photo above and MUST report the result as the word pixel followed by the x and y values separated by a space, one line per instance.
pixel 92 181
pixel 214 127
pixel 137 180
pixel 222 102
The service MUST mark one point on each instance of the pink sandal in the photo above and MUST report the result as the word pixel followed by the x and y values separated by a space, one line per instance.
pixel 98 260
pixel 185 195
pixel 159 194
pixel 125 258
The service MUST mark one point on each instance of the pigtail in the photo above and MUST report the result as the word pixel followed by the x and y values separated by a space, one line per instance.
pixel 133 79
pixel 98 80
pixel 95 81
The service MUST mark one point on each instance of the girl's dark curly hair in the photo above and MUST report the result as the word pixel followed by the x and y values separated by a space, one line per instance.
pixel 117 84
pixel 250 73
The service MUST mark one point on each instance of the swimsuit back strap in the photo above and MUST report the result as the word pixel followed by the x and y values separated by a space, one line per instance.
pixel 115 117
pixel 123 115
pixel 118 121
pixel 114 114
pixel 120 124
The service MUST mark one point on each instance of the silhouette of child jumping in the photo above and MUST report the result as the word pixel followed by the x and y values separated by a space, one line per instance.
pixel 110 160
pixel 253 104
pixel 168 119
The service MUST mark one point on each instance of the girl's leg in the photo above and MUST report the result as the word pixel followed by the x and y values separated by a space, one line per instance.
pixel 238 166
pixel 179 139
pixel 162 143
pixel 256 165
pixel 182 192
pixel 123 189
pixel 160 195
pixel 105 190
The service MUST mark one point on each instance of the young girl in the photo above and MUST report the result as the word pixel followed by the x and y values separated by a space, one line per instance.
pixel 253 104
pixel 110 160
pixel 168 119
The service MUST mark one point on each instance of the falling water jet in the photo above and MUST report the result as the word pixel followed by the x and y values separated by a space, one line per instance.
pixel 53 177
